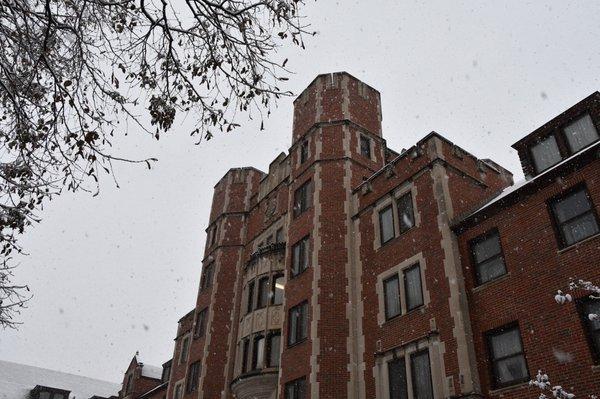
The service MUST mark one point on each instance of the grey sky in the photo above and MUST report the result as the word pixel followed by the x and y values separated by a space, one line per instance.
pixel 113 274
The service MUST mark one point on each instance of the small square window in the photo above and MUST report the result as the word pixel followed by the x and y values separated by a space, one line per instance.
pixel 509 366
pixel 386 224
pixel 487 257
pixel 581 133
pixel 574 217
pixel 365 146
pixel 545 154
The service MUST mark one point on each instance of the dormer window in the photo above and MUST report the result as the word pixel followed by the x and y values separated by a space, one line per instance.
pixel 40 392
pixel 545 154
pixel 581 133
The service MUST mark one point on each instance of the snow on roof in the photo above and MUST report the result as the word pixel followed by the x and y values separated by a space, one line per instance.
pixel 17 381
pixel 151 371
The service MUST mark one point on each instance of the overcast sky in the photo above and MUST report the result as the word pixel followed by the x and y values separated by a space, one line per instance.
pixel 112 274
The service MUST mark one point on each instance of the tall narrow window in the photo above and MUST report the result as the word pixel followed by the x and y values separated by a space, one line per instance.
pixel 365 146
pixel 245 354
pixel 397 379
pixel 412 287
pixel 506 356
pixel 166 373
pixel 213 235
pixel 296 389
pixel 207 276
pixel 386 224
pixel 303 151
pixel 421 375
pixel 575 217
pixel 545 154
pixel 278 286
pixel 258 353
pixel 250 302
pixel 185 346
pixel 274 347
pixel 200 327
pixel 392 297
pixel 592 307
pixel 302 198
pixel 405 212
pixel 298 323
pixel 300 256
pixel 193 377
pixel 581 133
pixel 178 391
pixel 279 235
pixel 263 293
pixel 487 257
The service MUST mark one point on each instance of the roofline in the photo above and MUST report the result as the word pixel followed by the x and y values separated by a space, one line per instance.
pixel 333 73
pixel 594 96
pixel 186 315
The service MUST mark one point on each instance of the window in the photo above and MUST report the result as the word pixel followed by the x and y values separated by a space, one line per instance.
pixel 258 353
pixel 178 391
pixel 581 133
pixel 391 294
pixel 303 151
pixel 278 286
pixel 545 154
pixel 574 216
pixel 279 235
pixel 302 200
pixel 166 373
pixel 421 375
pixel 298 323
pixel 41 392
pixel 193 377
pixel 263 293
pixel 405 212
pixel 273 348
pixel 207 276
pixel 587 307
pixel 185 344
pixel 486 253
pixel 506 357
pixel 300 256
pixel 250 302
pixel 212 235
pixel 245 354
pixel 397 379
pixel 296 389
pixel 365 146
pixel 386 224
pixel 412 287
pixel 200 326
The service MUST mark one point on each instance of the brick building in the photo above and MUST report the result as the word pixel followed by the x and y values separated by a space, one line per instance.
pixel 350 270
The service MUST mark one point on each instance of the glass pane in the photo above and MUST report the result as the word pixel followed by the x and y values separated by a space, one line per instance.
pixel 304 249
pixel 506 343
pixel 59 396
pixel 510 370
pixel 278 288
pixel 486 248
pixel 421 376
pixel 263 292
pixel 303 321
pixel 573 205
pixel 259 353
pixel 386 222
pixel 392 297
pixel 397 379
pixel 491 269
pixel 412 286
pixel 274 348
pixel 293 327
pixel 365 146
pixel 301 389
pixel 250 304
pixel 279 235
pixel 289 391
pixel 405 212
pixel 545 154
pixel 580 228
pixel 581 133
pixel 44 395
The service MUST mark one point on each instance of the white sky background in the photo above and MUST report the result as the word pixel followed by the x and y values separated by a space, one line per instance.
pixel 114 273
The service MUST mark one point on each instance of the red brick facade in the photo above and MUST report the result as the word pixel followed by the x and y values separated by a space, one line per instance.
pixel 325 223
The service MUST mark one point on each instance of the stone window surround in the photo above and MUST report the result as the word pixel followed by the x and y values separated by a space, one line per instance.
pixel 181 386
pixel 187 336
pixel 390 199
pixel 271 274
pixel 271 230
pixel 436 351
pixel 398 270
pixel 250 338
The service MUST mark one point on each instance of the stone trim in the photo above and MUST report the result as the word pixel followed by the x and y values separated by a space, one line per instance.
pixel 316 290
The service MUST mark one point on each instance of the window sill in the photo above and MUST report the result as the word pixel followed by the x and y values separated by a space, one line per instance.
pixel 420 309
pixel 503 390
pixel 577 244
pixel 491 282
pixel 294 276
pixel 297 343
pixel 396 237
